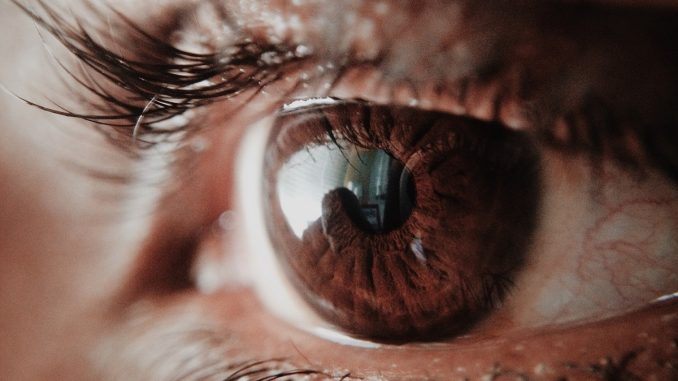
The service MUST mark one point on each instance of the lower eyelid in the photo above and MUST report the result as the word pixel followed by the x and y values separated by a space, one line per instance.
pixel 228 327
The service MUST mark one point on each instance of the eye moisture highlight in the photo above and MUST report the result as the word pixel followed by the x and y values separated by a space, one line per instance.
pixel 395 223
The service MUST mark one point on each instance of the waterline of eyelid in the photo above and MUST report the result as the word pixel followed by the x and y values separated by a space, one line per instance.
pixel 298 104
pixel 666 298
pixel 334 336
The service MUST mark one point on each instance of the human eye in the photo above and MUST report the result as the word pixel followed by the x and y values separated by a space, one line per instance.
pixel 520 149
pixel 319 207
pixel 378 211
pixel 587 234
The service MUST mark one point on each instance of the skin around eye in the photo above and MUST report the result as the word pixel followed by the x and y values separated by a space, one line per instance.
pixel 470 200
pixel 62 316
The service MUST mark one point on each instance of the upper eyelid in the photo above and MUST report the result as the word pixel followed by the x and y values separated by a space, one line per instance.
pixel 599 114
pixel 145 82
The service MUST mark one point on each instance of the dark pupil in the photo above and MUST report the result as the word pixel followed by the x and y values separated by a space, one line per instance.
pixel 378 192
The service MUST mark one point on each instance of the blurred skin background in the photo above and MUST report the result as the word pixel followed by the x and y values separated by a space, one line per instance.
pixel 119 266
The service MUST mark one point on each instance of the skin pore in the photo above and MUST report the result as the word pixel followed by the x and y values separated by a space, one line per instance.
pixel 115 266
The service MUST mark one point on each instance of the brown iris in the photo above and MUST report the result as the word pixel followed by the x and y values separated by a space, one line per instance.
pixel 397 223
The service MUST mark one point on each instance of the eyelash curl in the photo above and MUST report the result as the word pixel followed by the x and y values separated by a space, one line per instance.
pixel 143 90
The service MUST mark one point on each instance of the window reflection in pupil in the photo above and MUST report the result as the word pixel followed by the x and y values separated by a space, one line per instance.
pixel 377 191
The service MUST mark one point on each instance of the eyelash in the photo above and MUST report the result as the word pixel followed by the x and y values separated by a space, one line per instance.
pixel 158 86
pixel 136 107
pixel 122 114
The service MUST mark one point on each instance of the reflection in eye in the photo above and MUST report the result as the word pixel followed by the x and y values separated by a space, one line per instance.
pixel 375 189
pixel 458 198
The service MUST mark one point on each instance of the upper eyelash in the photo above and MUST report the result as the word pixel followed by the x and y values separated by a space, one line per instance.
pixel 158 88
pixel 168 82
